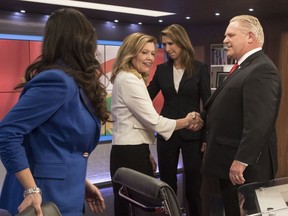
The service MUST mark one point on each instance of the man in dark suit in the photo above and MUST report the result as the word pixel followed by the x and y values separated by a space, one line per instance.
pixel 241 115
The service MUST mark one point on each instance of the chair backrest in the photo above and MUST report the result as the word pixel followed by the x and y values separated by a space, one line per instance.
pixel 4 212
pixel 146 193
pixel 49 209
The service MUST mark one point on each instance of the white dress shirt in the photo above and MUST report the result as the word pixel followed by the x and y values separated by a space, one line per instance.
pixel 177 76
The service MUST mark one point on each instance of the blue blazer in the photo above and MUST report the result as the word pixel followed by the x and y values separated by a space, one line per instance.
pixel 52 131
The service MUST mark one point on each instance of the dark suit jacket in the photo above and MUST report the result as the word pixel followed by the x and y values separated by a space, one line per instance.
pixel 240 122
pixel 191 90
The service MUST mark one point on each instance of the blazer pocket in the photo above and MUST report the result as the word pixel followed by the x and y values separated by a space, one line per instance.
pixel 50 171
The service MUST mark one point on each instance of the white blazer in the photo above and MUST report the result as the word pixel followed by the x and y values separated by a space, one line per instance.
pixel 134 118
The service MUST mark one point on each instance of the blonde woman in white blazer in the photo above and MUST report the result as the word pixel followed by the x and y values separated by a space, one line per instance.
pixel 134 118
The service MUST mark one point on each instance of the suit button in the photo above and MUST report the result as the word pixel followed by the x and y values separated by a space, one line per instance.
pixel 86 154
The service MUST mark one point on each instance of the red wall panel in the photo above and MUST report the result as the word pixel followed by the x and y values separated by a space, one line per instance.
pixel 35 50
pixel 7 102
pixel 14 58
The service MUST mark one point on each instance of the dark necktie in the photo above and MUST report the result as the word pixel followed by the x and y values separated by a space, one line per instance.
pixel 232 69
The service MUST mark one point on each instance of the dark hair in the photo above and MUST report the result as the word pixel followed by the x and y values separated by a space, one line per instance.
pixel 71 39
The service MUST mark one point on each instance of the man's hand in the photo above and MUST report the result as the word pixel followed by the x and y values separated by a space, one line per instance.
pixel 236 173
pixel 195 121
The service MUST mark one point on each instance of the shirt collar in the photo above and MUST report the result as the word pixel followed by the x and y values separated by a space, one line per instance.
pixel 246 55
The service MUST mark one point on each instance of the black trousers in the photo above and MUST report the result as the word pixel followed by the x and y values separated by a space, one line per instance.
pixel 135 157
pixel 168 156
pixel 230 197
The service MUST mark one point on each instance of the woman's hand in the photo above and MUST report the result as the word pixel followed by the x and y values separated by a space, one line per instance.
pixel 34 200
pixel 94 198
pixel 195 121
pixel 203 149
pixel 153 163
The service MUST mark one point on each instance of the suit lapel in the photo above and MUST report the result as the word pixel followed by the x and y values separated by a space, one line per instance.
pixel 170 78
pixel 223 84
pixel 182 81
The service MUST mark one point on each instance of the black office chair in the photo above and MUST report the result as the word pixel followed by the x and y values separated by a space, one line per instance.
pixel 4 212
pixel 145 194
pixel 48 209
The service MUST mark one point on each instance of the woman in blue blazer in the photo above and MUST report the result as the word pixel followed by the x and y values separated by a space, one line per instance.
pixel 183 82
pixel 46 138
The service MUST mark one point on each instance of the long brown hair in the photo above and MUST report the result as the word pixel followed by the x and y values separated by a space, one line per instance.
pixel 180 37
pixel 71 39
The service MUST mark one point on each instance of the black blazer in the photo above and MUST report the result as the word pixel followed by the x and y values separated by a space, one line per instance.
pixel 191 90
pixel 241 116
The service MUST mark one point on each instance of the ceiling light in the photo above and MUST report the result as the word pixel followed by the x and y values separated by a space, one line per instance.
pixel 104 7
pixel 160 21
pixel 139 23
pixel 22 11
pixel 217 14
pixel 188 18
pixel 251 9
pixel 116 21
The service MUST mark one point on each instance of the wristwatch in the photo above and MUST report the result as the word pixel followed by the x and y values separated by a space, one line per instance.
pixel 32 191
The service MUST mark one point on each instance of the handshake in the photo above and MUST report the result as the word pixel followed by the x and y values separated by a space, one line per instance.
pixel 195 121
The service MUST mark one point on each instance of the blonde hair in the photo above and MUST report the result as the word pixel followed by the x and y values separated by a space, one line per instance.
pixel 250 24
pixel 131 47
pixel 180 37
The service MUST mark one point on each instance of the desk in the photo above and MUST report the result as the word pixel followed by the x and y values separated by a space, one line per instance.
pixel 264 198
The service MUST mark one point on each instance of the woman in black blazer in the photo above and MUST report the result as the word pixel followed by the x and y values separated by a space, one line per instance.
pixel 184 82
